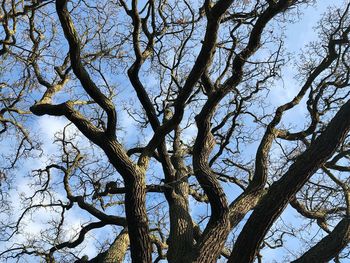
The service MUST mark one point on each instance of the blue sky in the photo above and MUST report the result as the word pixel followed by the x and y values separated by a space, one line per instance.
pixel 297 34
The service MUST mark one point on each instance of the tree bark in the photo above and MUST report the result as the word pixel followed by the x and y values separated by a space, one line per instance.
pixel 330 246
pixel 135 195
pixel 280 193
pixel 181 226
pixel 116 252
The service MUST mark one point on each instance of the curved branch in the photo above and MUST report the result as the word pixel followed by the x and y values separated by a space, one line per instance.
pixel 74 50
pixel 281 192
pixel 330 246
pixel 80 238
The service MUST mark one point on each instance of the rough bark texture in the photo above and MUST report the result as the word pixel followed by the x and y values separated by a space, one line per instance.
pixel 135 200
pixel 242 205
pixel 116 252
pixel 181 226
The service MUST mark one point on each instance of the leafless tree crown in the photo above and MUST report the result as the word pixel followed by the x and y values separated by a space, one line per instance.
pixel 188 131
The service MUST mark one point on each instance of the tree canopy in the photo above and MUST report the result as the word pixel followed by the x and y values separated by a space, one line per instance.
pixel 179 131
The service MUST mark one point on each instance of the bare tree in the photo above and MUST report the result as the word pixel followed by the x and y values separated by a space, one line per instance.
pixel 173 145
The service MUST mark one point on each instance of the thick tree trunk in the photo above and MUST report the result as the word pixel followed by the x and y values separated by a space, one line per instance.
pixel 212 241
pixel 181 230
pixel 181 226
pixel 136 214
pixel 135 201
pixel 116 252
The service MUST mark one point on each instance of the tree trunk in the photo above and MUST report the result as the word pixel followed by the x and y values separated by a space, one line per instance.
pixel 181 226
pixel 136 214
